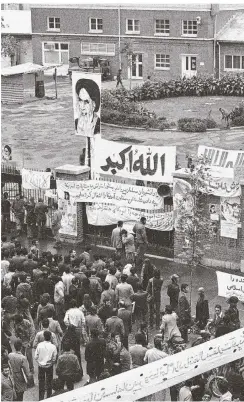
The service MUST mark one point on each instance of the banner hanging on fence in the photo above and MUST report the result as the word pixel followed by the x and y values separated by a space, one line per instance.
pixel 140 162
pixel 230 285
pixel 161 374
pixel 86 89
pixel 34 180
pixel 111 193
pixel 221 157
pixel 68 207
pixel 104 215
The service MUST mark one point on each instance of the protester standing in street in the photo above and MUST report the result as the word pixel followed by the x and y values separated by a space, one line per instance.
pixel 184 312
pixel 116 238
pixel 68 367
pixel 174 291
pixel 128 240
pixel 154 298
pixel 19 213
pixel 94 355
pixel 7 385
pixel 56 224
pixel 45 355
pixel 141 240
pixel 19 367
pixel 40 210
pixel 119 78
pixel 5 208
pixel 126 317
pixel 30 218
pixel 147 272
pixel 202 310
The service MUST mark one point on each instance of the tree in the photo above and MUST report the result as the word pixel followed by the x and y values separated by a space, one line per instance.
pixel 130 55
pixel 192 219
pixel 10 46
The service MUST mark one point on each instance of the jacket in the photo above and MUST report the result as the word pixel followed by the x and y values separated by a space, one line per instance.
pixel 140 231
pixel 124 291
pixel 202 310
pixel 19 364
pixel 129 242
pixel 184 310
pixel 125 316
pixel 114 325
pixel 116 238
pixel 68 365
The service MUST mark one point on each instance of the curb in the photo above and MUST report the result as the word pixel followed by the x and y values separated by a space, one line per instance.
pixel 171 130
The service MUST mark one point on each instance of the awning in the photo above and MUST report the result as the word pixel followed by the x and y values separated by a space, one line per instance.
pixel 26 68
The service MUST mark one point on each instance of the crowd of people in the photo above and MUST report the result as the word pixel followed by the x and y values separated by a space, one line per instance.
pixel 55 307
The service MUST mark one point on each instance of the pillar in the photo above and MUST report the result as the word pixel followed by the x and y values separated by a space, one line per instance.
pixel 74 173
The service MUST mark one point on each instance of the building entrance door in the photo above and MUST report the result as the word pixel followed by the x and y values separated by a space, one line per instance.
pixel 189 66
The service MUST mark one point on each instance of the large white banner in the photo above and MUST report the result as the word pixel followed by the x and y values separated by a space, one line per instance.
pixel 162 374
pixel 103 215
pixel 140 162
pixel 34 180
pixel 223 187
pixel 230 285
pixel 221 157
pixel 111 193
pixel 86 88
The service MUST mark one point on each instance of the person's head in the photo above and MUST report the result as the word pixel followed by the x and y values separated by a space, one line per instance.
pixel 233 301
pixel 87 300
pixel 201 292
pixel 123 278
pixel 72 253
pixel 156 273
pixel 96 257
pixel 7 150
pixel 115 312
pixel 139 339
pixel 18 318
pixel 147 262
pixel 88 249
pixel 88 94
pixel 5 369
pixel 93 272
pixel 45 298
pixel 223 386
pixel 47 336
pixel 45 323
pixel 66 347
pixel 106 285
pixel 174 278
pixel 206 397
pixel 133 271
pixel 168 309
pixel 94 333
pixel 112 270
pixel 120 224
pixel 57 384
pixel 5 195
pixel 73 303
pixel 188 383
pixel 106 301
pixel 143 220
pixel 157 343
pixel 121 304
pixel 217 309
pixel 22 278
pixel 85 283
pixel 184 288
pixel 18 345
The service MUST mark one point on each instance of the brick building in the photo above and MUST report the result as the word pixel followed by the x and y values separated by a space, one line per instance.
pixel 168 41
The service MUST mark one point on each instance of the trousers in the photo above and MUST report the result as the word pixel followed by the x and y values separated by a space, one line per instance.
pixel 45 377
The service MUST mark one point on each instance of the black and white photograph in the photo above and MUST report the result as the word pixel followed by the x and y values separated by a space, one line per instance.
pixel 122 201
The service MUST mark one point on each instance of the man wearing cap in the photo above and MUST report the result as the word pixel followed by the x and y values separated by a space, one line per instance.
pixel 116 238
pixel 202 310
pixel 233 313
pixel 174 291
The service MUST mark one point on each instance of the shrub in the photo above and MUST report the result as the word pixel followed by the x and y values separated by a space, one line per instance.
pixel 238 121
pixel 192 125
pixel 112 116
pixel 210 123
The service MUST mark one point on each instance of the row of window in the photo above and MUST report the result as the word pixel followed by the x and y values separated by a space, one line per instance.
pixel 162 27
pixel 162 61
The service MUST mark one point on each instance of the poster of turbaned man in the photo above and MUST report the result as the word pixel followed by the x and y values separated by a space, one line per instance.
pixel 86 89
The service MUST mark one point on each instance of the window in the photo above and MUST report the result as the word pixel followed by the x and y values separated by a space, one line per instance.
pixel 162 27
pixel 234 62
pixel 53 24
pixel 106 49
pixel 162 61
pixel 96 25
pixel 189 28
pixel 133 26
pixel 55 53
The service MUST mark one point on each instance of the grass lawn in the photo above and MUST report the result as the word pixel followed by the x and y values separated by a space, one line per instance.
pixel 199 107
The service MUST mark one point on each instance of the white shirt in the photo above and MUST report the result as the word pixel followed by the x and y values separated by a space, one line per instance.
pixel 67 279
pixel 227 397
pixel 185 394
pixel 75 316
pixel 8 278
pixel 153 355
pixel 59 292
pixel 46 354
pixel 4 268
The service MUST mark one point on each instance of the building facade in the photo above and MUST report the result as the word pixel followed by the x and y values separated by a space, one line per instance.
pixel 164 41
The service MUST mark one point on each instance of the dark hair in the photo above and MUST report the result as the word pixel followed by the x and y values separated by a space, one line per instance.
pixel 139 338
pixel 66 346
pixel 91 88
pixel 115 311
pixel 123 278
pixel 143 219
pixel 218 306
pixel 112 270
pixel 156 273
pixel 106 285
pixel 168 309
pixel 45 323
pixel 47 335
pixel 73 303
pixel 120 223
pixel 183 286
pixel 8 148
pixel 18 345
pixel 22 277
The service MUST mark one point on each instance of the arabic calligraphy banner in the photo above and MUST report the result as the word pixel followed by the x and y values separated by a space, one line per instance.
pixel 230 285
pixel 134 161
pixel 221 157
pixel 163 373
pixel 103 215
pixel 33 180
pixel 223 187
pixel 111 193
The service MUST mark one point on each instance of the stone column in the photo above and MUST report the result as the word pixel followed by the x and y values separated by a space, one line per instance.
pixel 74 173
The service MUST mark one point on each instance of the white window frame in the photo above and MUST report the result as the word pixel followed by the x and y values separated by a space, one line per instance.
pixel 54 50
pixel 133 31
pixel 191 35
pixel 162 33
pixel 55 29
pixel 232 59
pixel 166 56
pixel 96 30
pixel 86 48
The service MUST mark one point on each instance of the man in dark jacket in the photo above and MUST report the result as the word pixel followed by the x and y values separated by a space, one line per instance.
pixel 114 325
pixel 141 239
pixel 40 210
pixel 94 355
pixel 174 291
pixel 105 311
pixel 154 290
pixel 68 367
pixel 202 310
pixel 184 312
pixel 125 316
pixel 233 313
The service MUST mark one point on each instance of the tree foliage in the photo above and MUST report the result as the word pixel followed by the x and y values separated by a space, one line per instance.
pixel 9 46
